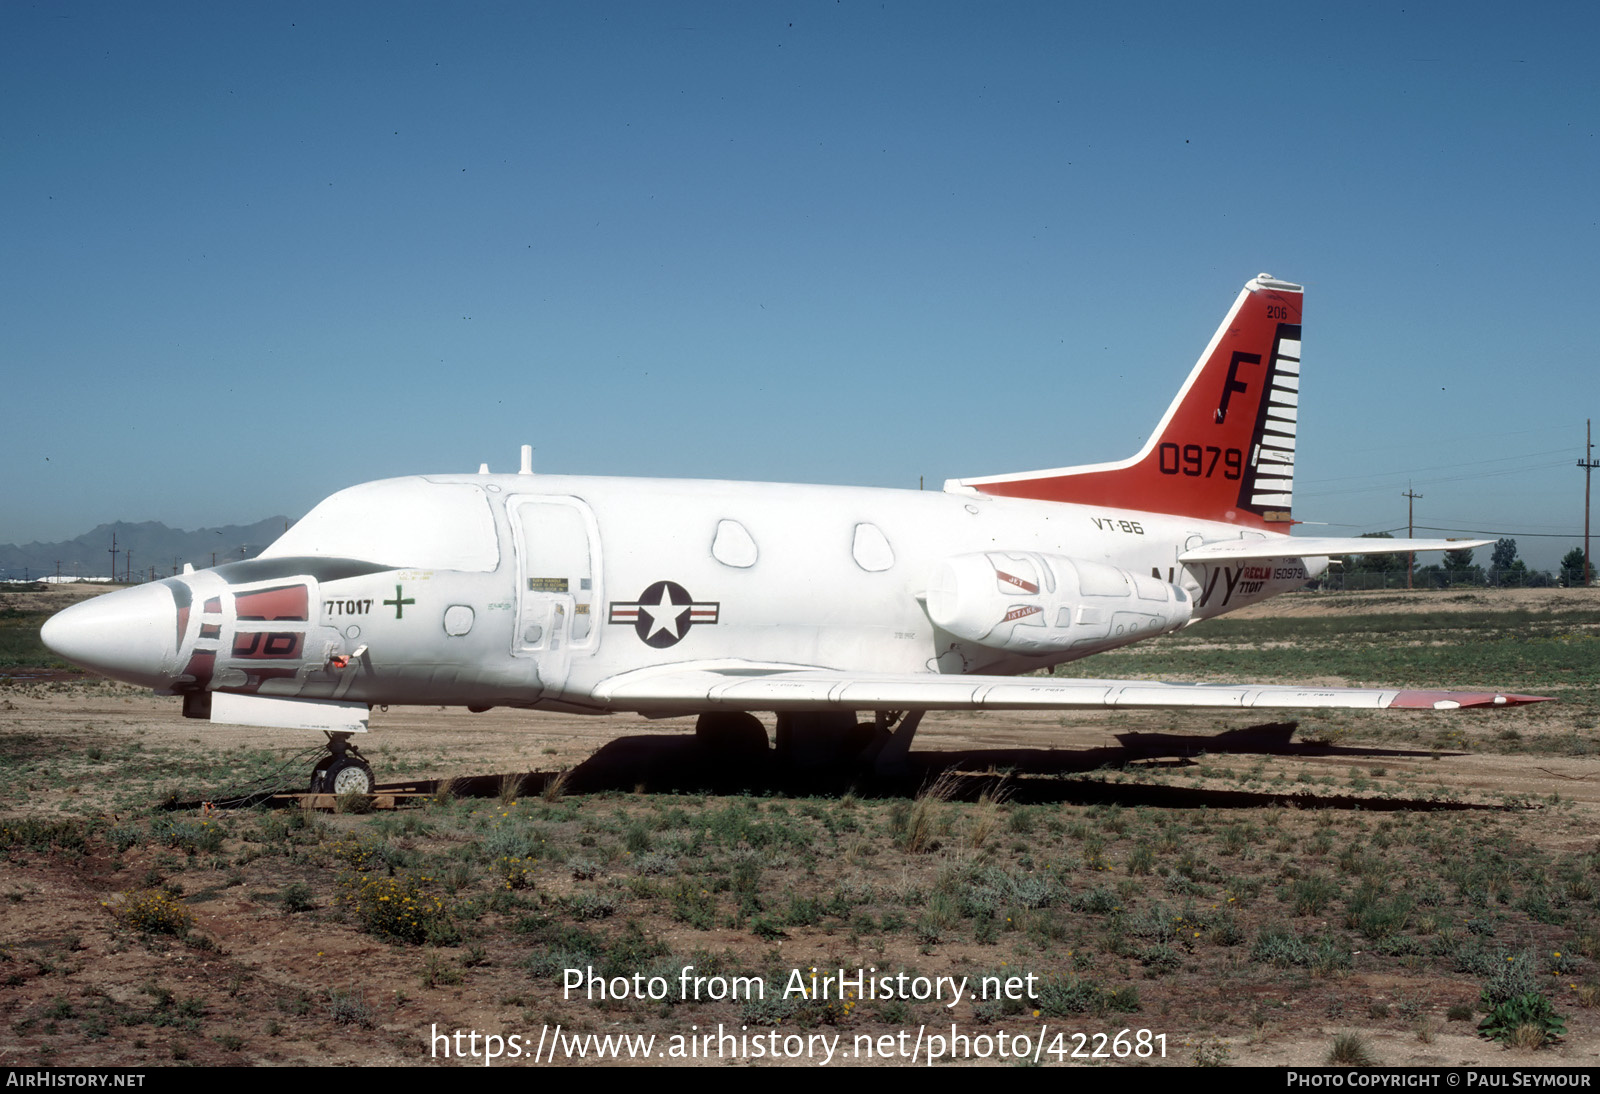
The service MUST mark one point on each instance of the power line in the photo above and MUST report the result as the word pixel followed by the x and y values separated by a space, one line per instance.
pixel 1376 487
pixel 1485 532
pixel 1458 465
pixel 1431 445
pixel 1553 528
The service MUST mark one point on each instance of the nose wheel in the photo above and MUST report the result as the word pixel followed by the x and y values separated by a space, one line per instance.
pixel 342 770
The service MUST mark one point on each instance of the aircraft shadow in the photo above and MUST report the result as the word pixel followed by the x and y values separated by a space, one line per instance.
pixel 684 765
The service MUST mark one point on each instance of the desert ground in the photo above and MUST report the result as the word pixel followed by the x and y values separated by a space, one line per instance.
pixel 1347 886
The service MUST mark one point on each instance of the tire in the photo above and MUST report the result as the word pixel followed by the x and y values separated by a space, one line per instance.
pixel 732 733
pixel 822 738
pixel 347 775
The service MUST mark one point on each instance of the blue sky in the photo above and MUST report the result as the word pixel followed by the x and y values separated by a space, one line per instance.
pixel 256 253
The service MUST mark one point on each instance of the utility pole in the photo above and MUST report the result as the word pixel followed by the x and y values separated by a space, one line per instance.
pixel 1411 556
pixel 1588 463
pixel 114 554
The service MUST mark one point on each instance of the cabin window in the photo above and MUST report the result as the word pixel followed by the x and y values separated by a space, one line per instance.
pixel 733 545
pixel 457 620
pixel 871 549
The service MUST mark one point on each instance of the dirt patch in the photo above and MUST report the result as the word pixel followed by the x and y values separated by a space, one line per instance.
pixel 1137 864
pixel 48 598
pixel 1383 601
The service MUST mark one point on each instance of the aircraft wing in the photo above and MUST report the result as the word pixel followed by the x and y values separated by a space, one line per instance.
pixel 743 686
pixel 1319 547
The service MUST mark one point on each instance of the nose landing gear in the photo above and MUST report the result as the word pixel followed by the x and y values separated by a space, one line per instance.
pixel 342 770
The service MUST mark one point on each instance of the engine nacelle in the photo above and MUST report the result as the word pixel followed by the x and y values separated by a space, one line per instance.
pixel 1031 603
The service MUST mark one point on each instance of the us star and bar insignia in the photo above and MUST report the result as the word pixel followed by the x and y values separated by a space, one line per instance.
pixel 663 613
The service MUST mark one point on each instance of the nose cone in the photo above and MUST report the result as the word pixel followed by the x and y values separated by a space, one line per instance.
pixel 128 635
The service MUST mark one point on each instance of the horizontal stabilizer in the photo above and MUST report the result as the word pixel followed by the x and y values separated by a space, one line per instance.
pixel 727 686
pixel 1231 550
pixel 256 710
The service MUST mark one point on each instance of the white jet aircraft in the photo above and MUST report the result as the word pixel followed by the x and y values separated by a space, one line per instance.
pixel 668 597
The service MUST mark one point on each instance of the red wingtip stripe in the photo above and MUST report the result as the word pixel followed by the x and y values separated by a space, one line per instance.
pixel 1449 700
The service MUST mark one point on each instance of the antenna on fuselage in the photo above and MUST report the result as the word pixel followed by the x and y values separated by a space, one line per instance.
pixel 483 469
pixel 527 460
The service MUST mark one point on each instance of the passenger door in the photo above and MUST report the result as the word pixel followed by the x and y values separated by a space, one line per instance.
pixel 557 579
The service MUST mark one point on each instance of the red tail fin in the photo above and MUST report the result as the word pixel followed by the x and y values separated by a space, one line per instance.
pixel 1225 450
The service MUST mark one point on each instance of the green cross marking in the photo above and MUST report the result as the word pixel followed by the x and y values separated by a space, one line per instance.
pixel 399 604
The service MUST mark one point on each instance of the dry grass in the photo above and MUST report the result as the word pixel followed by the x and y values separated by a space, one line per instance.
pixel 921 830
pixel 984 819
pixel 511 788
pixel 555 786
pixel 445 792
pixel 1527 1037
pixel 1350 1050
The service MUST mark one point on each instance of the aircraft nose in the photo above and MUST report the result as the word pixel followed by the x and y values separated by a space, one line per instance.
pixel 128 635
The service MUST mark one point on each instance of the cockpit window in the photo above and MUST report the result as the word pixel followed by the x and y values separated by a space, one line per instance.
pixel 400 523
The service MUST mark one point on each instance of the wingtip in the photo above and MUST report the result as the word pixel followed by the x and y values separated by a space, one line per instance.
pixel 1453 700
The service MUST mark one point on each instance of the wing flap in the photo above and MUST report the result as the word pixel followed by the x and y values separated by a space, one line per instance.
pixel 691 688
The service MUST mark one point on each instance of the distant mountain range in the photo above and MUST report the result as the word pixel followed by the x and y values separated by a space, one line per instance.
pixel 153 545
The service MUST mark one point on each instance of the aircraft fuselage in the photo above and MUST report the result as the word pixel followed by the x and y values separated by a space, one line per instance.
pixel 524 590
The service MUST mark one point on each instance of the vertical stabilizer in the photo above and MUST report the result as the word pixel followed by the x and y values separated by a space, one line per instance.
pixel 1225 449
